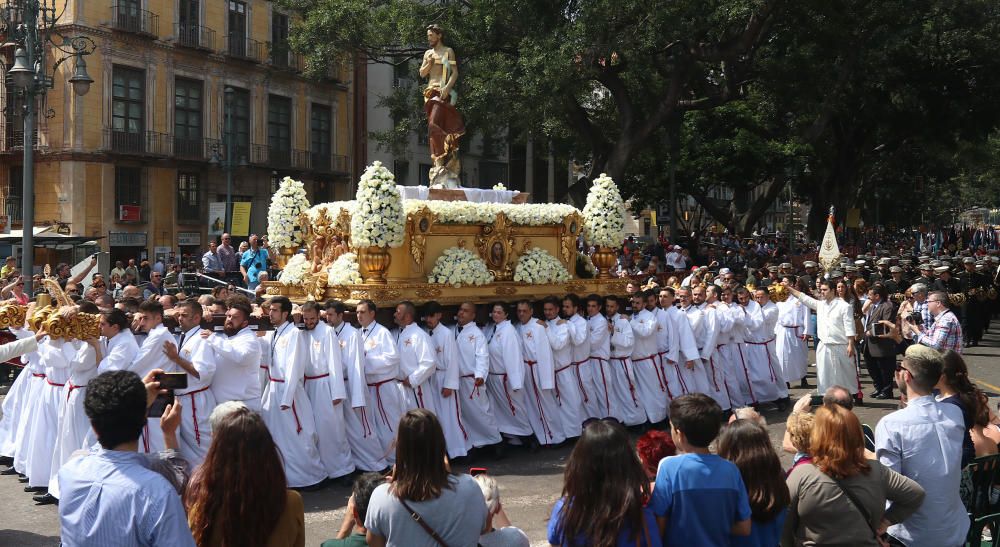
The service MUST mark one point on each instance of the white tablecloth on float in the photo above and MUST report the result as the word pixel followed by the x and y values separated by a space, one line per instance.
pixel 475 195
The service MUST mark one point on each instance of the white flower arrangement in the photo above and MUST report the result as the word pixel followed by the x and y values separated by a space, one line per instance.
pixel 344 271
pixel 294 271
pixel 604 214
pixel 378 219
pixel 287 204
pixel 457 267
pixel 465 212
pixel 538 267
pixel 499 187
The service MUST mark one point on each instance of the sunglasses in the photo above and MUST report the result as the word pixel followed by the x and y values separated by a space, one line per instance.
pixel 900 367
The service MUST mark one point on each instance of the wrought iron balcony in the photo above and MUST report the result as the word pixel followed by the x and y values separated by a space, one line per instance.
pixel 127 17
pixel 327 163
pixel 247 49
pixel 194 36
pixel 281 56
pixel 142 143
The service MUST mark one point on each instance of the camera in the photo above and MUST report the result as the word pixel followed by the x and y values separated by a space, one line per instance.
pixel 916 318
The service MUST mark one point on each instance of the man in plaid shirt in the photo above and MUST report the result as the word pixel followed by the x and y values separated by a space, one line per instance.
pixel 946 333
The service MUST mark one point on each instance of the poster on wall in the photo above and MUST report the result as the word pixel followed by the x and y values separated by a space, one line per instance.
pixel 241 219
pixel 216 218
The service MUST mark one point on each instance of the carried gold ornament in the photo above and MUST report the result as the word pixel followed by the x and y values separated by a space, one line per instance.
pixel 777 292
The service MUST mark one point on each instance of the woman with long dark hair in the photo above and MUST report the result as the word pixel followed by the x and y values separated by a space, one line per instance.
pixel 239 495
pixel 425 504
pixel 955 387
pixel 604 489
pixel 747 444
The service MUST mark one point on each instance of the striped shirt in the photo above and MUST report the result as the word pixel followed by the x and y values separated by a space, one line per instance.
pixel 944 335
pixel 111 498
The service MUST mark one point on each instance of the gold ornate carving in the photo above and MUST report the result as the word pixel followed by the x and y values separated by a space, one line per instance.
pixel 421 221
pixel 568 234
pixel 496 247
pixel 428 293
pixel 385 294
pixel 505 290
pixel 576 288
pixel 272 291
pixel 314 285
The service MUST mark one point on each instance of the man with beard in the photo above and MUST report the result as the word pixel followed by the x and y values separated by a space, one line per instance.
pixel 238 356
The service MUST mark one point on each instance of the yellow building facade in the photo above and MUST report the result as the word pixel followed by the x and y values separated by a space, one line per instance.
pixel 136 161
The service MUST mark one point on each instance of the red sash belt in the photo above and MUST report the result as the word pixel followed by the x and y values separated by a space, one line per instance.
pixel 73 386
pixel 194 412
pixel 631 386
pixel 475 388
pixel 746 374
pixel 538 398
pixel 298 424
pixel 656 369
pixel 378 399
pixel 53 384
pixel 604 382
pixel 307 377
pixel 663 371
pixel 770 366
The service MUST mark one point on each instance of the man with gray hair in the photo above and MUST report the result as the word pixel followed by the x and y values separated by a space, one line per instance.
pixel 946 331
pixel 923 442
pixel 919 292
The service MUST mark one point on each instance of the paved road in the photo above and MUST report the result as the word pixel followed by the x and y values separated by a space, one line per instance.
pixel 530 483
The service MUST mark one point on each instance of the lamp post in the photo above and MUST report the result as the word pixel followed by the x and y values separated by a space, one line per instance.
pixel 31 26
pixel 227 162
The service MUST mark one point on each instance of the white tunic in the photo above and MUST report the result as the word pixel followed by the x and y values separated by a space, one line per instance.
pixel 366 448
pixel 325 386
pixel 506 382
pixel 722 363
pixel 766 382
pixel 119 352
pixel 446 375
pixel 237 360
pixel 44 413
pixel 580 342
pixel 34 368
pixel 650 383
pixel 286 408
pixel 74 426
pixel 705 328
pixel 150 357
pixel 385 402
pixel 197 401
pixel 622 343
pixel 792 351
pixel 834 326
pixel 685 349
pixel 569 387
pixel 17 396
pixel 743 395
pixel 474 363
pixel 539 383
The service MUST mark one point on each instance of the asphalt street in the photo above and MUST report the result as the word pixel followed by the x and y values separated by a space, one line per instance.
pixel 530 483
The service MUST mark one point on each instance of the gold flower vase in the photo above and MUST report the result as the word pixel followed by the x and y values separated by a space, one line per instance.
pixel 284 255
pixel 374 262
pixel 604 259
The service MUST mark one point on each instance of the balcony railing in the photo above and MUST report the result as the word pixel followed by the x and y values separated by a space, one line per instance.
pixel 128 17
pixel 325 163
pixel 144 143
pixel 270 156
pixel 247 49
pixel 14 141
pixel 281 56
pixel 13 207
pixel 195 148
pixel 194 36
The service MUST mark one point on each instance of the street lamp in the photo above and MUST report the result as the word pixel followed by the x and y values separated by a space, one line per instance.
pixel 32 27
pixel 227 161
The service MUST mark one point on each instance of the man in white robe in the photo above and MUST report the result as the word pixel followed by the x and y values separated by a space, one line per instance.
pixel 505 384
pixel 539 378
pixel 286 409
pixel 704 332
pixel 474 369
pixel 835 364
pixel 720 365
pixel 707 341
pixel 743 395
pixel 417 366
pixel 238 357
pixel 683 354
pixel 569 395
pixel 325 387
pixel 765 374
pixel 44 414
pixel 195 356
pixel 16 401
pixel 621 343
pixel 366 448
pixel 34 368
pixel 666 350
pixel 650 384
pixel 74 426
pixel 445 377
pixel 119 346
pixel 580 351
pixel 381 359
pixel 151 356
pixel 602 372
pixel 790 339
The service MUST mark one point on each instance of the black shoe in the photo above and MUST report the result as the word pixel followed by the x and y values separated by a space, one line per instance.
pixel 874 394
pixel 783 404
pixel 882 395
pixel 8 471
pixel 22 479
pixel 45 499
pixel 804 384
pixel 6 460
pixel 35 489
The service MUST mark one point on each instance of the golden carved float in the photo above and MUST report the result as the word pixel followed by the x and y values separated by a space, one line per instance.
pixel 500 243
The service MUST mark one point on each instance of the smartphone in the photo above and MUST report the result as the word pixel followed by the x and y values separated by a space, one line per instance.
pixel 816 400
pixel 172 380
pixel 160 405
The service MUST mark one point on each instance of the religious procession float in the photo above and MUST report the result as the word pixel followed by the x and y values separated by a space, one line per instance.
pixel 395 243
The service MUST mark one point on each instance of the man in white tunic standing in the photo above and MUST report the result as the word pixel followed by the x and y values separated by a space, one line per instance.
pixel 835 329
pixel 474 370
pixel 416 361
pixel 118 347
pixel 237 356
pixel 683 355
pixel 790 338
pixel 366 448
pixel 580 343
pixel 151 356
pixel 326 388
pixel 286 408
pixel 704 332
pixel 195 356
pixel 381 358
pixel 539 377
pixel 650 385
pixel 621 344
pixel 446 375
pixel 758 350
pixel 569 395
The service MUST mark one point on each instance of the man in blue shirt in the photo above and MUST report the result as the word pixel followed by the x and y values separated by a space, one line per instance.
pixel 111 497
pixel 698 498
pixel 253 261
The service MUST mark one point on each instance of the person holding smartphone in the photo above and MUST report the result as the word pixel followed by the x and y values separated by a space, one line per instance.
pixel 880 351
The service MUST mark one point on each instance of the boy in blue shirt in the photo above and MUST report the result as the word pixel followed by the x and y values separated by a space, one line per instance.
pixel 698 498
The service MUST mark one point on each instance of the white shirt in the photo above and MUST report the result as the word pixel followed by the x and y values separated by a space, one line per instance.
pixel 578 332
pixel 200 354
pixel 446 355
pixel 622 339
pixel 349 340
pixel 536 348
pixel 643 325
pixel 380 353
pixel 474 356
pixel 238 359
pixel 834 319
pixel 288 352
pixel 505 354
pixel 600 337
pixel 562 352
pixel 416 355
pixel 151 355
pixel 324 362
pixel 119 352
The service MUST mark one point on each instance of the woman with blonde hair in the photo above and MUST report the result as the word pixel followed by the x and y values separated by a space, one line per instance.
pixel 840 497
